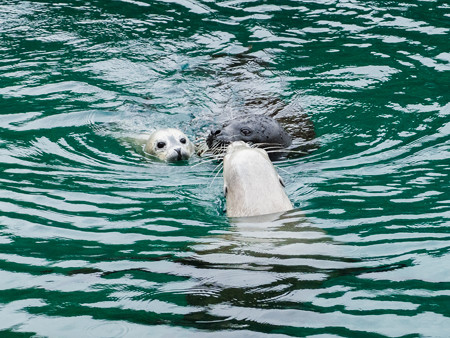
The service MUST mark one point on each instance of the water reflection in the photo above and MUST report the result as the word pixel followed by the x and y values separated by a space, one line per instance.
pixel 282 270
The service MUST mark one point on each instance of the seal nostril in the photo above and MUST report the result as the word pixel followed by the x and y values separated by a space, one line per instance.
pixel 178 151
pixel 217 132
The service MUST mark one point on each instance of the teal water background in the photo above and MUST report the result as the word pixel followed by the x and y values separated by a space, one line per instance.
pixel 96 240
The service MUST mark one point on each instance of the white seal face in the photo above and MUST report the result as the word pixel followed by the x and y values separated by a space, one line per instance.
pixel 169 145
pixel 252 186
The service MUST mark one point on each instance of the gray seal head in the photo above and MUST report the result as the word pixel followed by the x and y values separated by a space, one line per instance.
pixel 259 130
pixel 169 145
pixel 252 185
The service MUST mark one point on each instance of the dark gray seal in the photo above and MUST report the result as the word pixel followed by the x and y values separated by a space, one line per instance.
pixel 259 130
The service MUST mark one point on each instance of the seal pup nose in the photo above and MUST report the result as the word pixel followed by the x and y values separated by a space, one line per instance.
pixel 178 151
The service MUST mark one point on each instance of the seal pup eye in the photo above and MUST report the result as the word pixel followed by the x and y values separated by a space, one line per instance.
pixel 246 131
pixel 160 145
pixel 183 140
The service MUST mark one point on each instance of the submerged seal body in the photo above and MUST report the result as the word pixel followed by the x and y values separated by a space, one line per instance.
pixel 169 145
pixel 259 130
pixel 252 186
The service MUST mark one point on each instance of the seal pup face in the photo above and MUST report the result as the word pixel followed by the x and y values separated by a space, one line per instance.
pixel 260 130
pixel 169 145
pixel 252 186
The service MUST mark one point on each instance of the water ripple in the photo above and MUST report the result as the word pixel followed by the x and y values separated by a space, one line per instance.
pixel 97 239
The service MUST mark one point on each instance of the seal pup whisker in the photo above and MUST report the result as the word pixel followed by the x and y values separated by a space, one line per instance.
pixel 267 145
pixel 282 169
pixel 218 149
pixel 219 168
pixel 208 160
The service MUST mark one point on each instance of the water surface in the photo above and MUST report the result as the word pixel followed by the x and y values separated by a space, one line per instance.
pixel 97 240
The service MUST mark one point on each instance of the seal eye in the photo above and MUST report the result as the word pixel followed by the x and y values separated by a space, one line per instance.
pixel 160 145
pixel 183 140
pixel 246 131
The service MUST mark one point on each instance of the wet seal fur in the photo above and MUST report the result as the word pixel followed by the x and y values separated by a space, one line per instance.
pixel 169 145
pixel 252 185
pixel 259 130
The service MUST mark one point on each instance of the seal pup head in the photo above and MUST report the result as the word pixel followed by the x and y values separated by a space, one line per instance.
pixel 169 145
pixel 252 186
pixel 260 130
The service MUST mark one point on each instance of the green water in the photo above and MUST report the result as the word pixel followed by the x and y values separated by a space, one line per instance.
pixel 96 240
